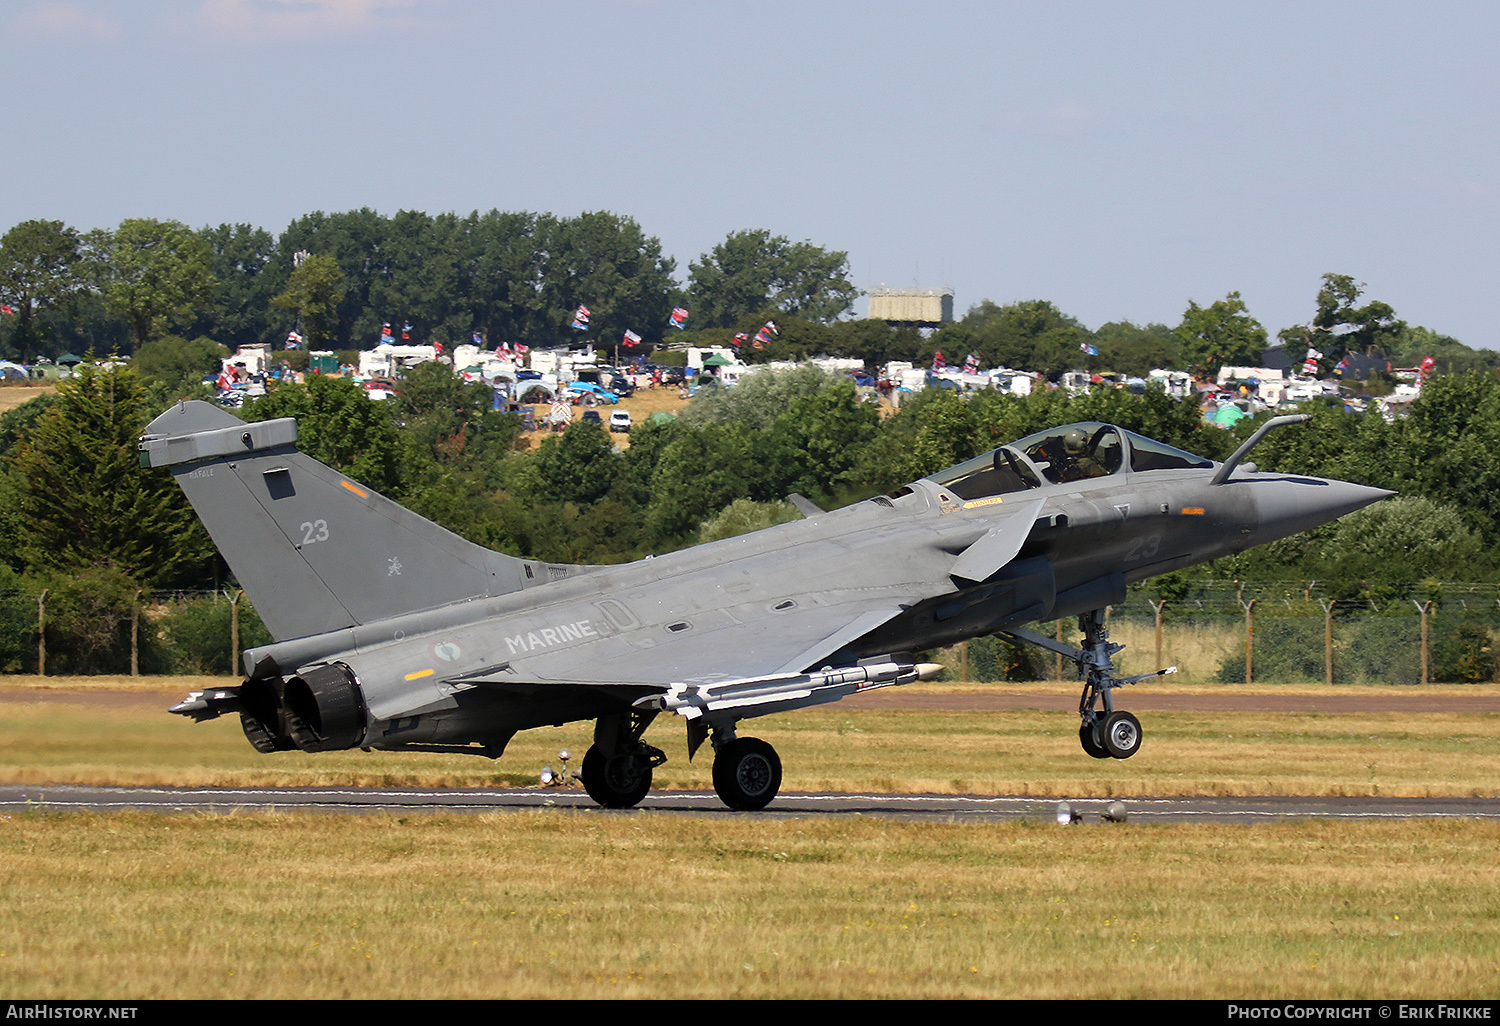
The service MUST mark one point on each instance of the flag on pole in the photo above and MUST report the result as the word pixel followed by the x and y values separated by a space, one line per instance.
pixel 293 340
pixel 385 332
pixel 971 365
pixel 405 332
pixel 521 347
pixel 632 339
pixel 478 341
pixel 1091 350
pixel 740 339
pixel 679 318
pixel 581 318
pixel 763 336
pixel 938 363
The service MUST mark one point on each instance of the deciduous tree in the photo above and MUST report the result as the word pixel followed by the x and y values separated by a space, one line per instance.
pixel 41 265
pixel 1339 326
pixel 752 272
pixel 156 272
pixel 313 292
pixel 1221 333
pixel 250 270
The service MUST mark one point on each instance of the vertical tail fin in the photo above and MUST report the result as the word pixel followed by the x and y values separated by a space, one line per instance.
pixel 315 551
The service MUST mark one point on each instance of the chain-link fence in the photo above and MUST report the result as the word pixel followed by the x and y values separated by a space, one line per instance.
pixel 1277 633
pixel 92 630
pixel 1214 632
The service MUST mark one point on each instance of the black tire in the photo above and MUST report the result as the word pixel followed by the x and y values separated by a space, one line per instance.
pixel 747 774
pixel 618 783
pixel 1121 735
pixel 1090 741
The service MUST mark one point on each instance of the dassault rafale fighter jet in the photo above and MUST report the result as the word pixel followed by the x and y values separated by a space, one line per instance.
pixel 393 633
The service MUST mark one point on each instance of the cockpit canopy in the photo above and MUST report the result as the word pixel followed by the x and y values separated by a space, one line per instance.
pixel 1073 452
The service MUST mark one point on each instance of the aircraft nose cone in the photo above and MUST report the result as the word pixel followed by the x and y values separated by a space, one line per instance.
pixel 1291 505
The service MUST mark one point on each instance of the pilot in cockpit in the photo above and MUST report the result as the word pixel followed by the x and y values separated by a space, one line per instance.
pixel 1078 463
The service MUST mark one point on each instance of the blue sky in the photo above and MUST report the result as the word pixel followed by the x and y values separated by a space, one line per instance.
pixel 1117 159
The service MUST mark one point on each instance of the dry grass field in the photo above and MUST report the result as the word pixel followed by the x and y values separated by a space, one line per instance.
pixel 58 733
pixel 590 904
pixel 640 405
pixel 557 904
pixel 14 393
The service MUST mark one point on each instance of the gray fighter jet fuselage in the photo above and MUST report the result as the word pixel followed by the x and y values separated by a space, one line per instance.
pixel 392 633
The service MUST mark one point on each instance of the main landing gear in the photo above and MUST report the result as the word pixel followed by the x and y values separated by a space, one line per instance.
pixel 1105 732
pixel 617 767
pixel 747 771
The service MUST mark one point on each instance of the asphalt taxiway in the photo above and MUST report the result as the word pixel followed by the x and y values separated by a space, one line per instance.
pixel 39 799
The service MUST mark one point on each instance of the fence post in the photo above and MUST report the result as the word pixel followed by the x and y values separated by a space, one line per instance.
pixel 1249 639
pixel 234 629
pixel 1328 605
pixel 1158 607
pixel 1425 608
pixel 41 634
pixel 135 634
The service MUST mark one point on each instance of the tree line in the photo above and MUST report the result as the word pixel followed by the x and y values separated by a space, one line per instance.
pixel 80 516
pixel 80 520
pixel 340 278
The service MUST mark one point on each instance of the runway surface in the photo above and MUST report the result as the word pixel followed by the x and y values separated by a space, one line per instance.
pixel 929 807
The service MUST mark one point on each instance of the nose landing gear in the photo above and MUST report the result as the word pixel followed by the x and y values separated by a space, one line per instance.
pixel 1105 733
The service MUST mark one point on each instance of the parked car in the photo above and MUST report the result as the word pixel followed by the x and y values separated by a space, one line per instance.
pixel 590 394
pixel 620 421
pixel 592 417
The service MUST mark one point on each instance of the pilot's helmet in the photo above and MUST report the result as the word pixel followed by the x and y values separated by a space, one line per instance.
pixel 1075 441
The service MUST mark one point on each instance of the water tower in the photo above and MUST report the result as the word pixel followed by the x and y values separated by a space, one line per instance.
pixel 918 308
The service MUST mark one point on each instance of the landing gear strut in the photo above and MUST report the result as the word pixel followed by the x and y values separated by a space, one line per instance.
pixel 1105 733
pixel 1118 734
pixel 617 767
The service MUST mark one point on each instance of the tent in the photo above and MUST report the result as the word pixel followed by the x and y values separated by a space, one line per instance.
pixel 1227 415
